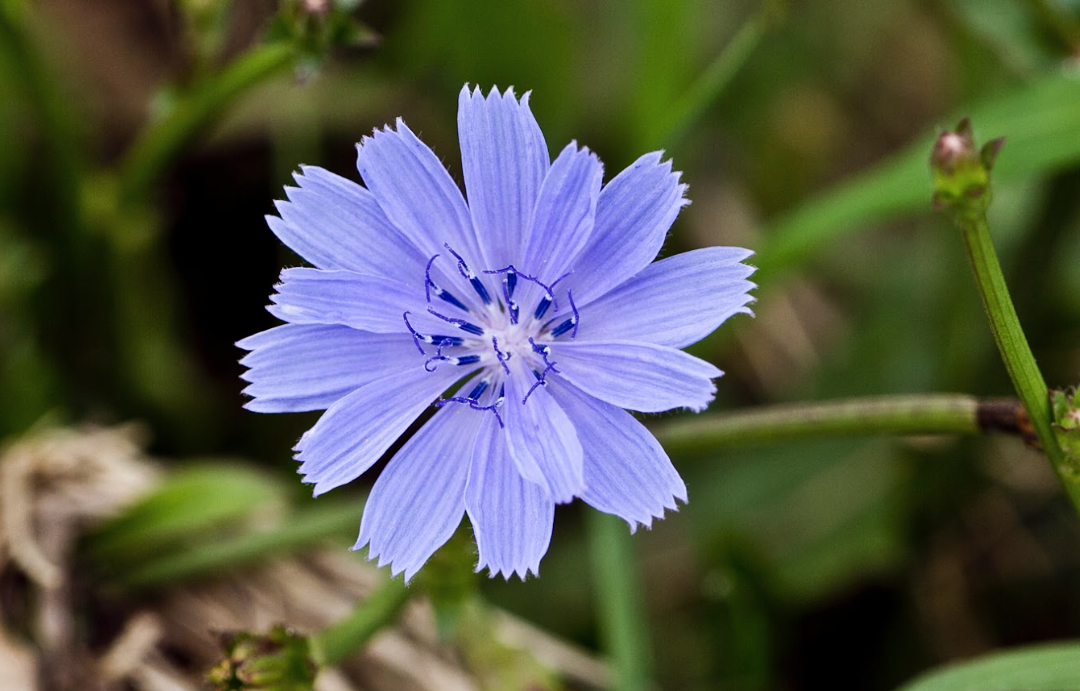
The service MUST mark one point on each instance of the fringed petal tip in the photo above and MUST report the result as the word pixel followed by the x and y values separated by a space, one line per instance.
pixel 522 572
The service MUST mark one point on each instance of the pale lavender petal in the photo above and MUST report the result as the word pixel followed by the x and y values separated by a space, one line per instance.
pixel 542 440
pixel 675 301
pixel 357 430
pixel 633 214
pixel 504 159
pixel 638 376
pixel 419 499
pixel 563 220
pixel 368 303
pixel 416 193
pixel 511 517
pixel 627 472
pixel 335 223
pixel 296 367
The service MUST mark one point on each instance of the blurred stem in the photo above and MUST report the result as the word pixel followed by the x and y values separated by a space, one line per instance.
pixel 880 415
pixel 341 639
pixel 712 82
pixel 161 141
pixel 300 531
pixel 1059 21
pixel 1019 360
pixel 620 597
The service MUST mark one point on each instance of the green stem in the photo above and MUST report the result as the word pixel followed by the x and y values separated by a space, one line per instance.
pixel 160 142
pixel 620 602
pixel 299 532
pixel 712 82
pixel 882 415
pixel 337 642
pixel 1019 360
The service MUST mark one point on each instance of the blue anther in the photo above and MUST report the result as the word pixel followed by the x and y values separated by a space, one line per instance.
pixel 577 317
pixel 478 390
pixel 511 282
pixel 480 290
pixel 563 328
pixel 542 308
pixel 431 286
pixel 459 323
pixel 445 340
pixel 465 360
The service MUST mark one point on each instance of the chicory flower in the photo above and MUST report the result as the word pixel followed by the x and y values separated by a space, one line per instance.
pixel 529 317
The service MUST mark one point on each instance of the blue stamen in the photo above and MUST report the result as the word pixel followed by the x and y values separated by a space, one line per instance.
pixel 465 360
pixel 480 290
pixel 503 357
pixel 431 286
pixel 459 323
pixel 474 404
pixel 563 328
pixel 571 323
pixel 511 283
pixel 478 390
pixel 416 336
pixel 541 308
pixel 466 272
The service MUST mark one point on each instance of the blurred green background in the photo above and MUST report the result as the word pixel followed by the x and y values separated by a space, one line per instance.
pixel 841 564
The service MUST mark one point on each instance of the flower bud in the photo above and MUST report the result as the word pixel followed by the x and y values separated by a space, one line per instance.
pixel 961 170
pixel 277 661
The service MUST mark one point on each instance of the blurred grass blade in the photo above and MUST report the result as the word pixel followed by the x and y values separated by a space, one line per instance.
pixel 1038 668
pixel 1040 120
pixel 192 505
pixel 712 82
pixel 161 142
pixel 620 602
pixel 301 531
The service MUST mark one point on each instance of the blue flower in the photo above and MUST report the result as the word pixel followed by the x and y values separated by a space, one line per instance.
pixel 528 317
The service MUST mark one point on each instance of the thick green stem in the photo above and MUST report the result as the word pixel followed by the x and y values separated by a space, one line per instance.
pixel 160 143
pixel 341 639
pixel 1019 360
pixel 620 602
pixel 882 415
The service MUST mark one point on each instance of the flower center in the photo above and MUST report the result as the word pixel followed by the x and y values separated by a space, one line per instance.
pixel 495 336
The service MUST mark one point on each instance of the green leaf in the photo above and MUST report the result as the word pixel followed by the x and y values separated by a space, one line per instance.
pixel 191 505
pixel 1039 120
pixel 1038 668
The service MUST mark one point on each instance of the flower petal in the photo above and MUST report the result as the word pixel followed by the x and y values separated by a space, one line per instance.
pixel 416 193
pixel 633 214
pixel 368 303
pixel 419 499
pixel 504 159
pixel 542 440
pixel 295 367
pixel 673 302
pixel 627 472
pixel 563 220
pixel 335 223
pixel 511 517
pixel 639 376
pixel 357 430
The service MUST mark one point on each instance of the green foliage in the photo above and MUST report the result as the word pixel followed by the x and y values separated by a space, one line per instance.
pixel 194 505
pixel 1053 667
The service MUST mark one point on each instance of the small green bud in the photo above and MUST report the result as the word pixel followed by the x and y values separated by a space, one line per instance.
pixel 961 170
pixel 1066 406
pixel 277 661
